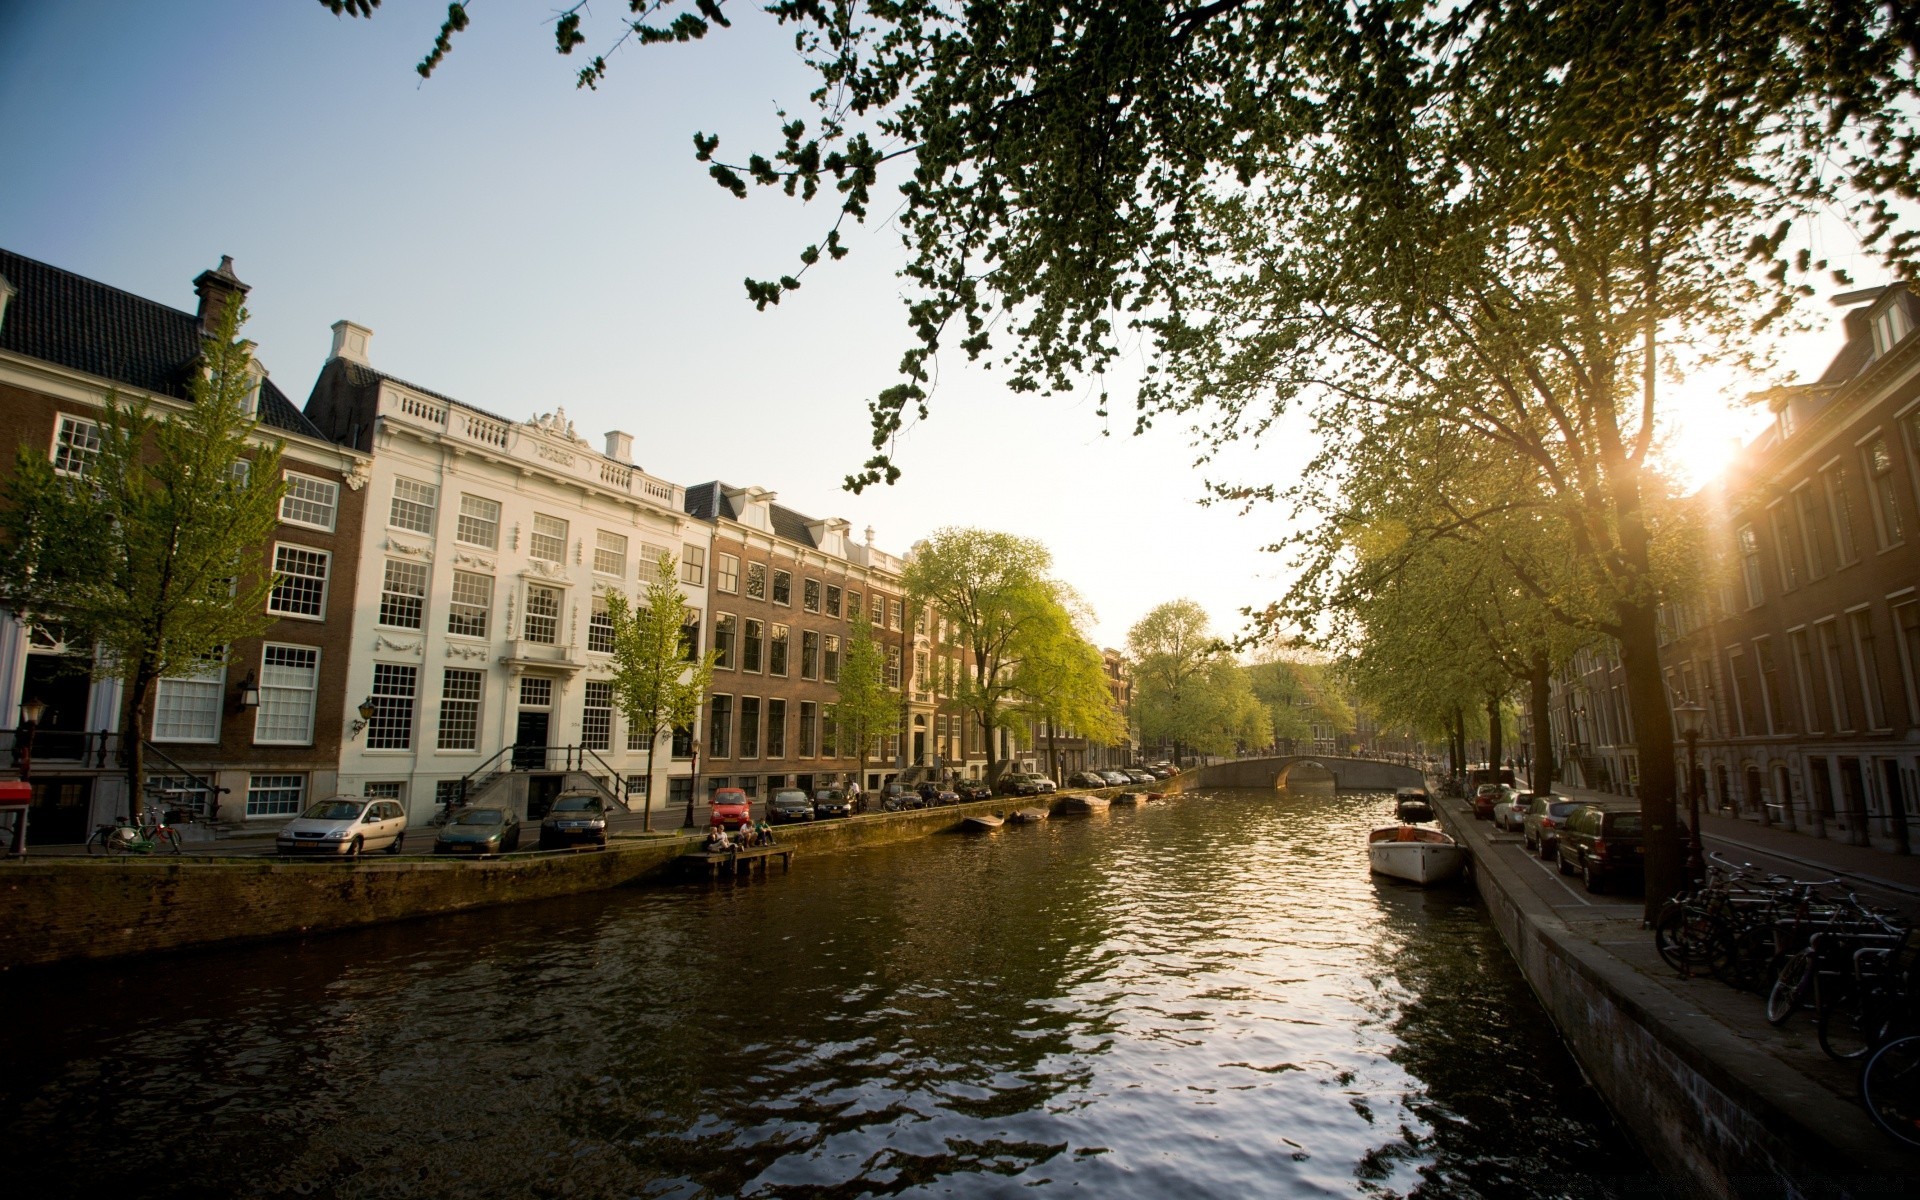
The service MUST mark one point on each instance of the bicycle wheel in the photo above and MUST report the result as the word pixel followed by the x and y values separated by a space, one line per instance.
pixel 1847 1028
pixel 1890 1088
pixel 1790 988
pixel 167 838
pixel 114 842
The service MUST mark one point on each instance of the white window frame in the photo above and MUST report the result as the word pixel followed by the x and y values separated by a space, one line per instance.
pixel 608 560
pixel 431 505
pixel 526 614
pixel 535 536
pixel 270 688
pixel 420 575
pixel 460 530
pixel 216 681
pixel 693 565
pixel 474 704
pixel 1885 537
pixel 280 783
pixel 412 699
pixel 63 445
pixel 296 480
pixel 726 573
pixel 459 609
pixel 326 580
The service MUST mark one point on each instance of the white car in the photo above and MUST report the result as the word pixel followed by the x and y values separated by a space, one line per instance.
pixel 345 825
pixel 1510 813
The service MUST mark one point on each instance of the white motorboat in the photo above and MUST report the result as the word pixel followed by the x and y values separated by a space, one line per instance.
pixel 1414 854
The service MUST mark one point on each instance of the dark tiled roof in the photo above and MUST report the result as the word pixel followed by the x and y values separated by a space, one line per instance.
pixel 699 501
pixel 1854 353
pixel 84 325
pixel 709 502
pixel 791 525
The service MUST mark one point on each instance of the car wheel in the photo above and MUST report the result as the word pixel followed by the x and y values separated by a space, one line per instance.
pixel 1547 851
pixel 356 846
pixel 1566 868
pixel 1528 843
pixel 1596 883
pixel 399 840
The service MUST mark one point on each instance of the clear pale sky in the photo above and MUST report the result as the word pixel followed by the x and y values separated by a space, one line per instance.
pixel 521 246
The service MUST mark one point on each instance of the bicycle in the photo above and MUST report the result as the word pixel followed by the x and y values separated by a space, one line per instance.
pixel 124 837
pixel 1890 1088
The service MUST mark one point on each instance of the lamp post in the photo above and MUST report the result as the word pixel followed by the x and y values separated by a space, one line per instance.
pixel 1692 717
pixel 30 714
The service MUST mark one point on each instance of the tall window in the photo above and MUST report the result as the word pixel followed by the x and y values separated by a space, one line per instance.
pixel 752 644
pixel 893 667
pixel 808 719
pixel 720 727
pixel 276 795
pixel 810 595
pixel 188 710
pixel 1867 656
pixel 726 573
pixel 403 595
pixel 1807 507
pixel 471 602
pixel 833 600
pixel 723 628
pixel 853 606
pixel 1906 627
pixel 1749 545
pixel 1836 671
pixel 548 541
pixel 479 523
pixel 289 680
pixel 757 580
pixel 777 651
pixel 682 742
pixel 413 504
pixel 693 565
pixel 893 614
pixel 596 718
pixel 829 735
pixel 782 587
pixel 300 582
pixel 460 709
pixel 749 727
pixel 1804 676
pixel 600 628
pixel 776 729
pixel 1779 719
pixel 1784 552
pixel 650 556
pixel 809 654
pixel 543 615
pixel 830 659
pixel 309 501
pixel 391 726
pixel 610 553
pixel 76 446
pixel 1886 493
pixel 1840 509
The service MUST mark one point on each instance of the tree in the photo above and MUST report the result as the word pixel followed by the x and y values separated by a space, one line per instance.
pixel 1063 682
pixel 1171 648
pixel 866 703
pixel 656 682
pixel 1298 694
pixel 155 555
pixel 993 590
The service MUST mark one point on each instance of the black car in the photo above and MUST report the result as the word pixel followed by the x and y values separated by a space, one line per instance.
pixel 831 802
pixel 1013 783
pixel 1601 844
pixel 789 807
pixel 972 789
pixel 1085 779
pixel 576 819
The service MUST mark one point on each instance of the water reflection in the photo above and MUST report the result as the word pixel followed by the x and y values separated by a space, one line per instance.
pixel 1203 998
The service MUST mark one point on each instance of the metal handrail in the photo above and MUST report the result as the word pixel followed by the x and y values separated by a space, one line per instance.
pixel 213 790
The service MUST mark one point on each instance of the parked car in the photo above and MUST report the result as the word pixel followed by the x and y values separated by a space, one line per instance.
pixel 1137 775
pixel 789 807
pixel 1541 831
pixel 1163 770
pixel 1085 779
pixel 972 789
pixel 1114 778
pixel 1601 844
pixel 730 809
pixel 345 825
pixel 1018 783
pixel 1511 812
pixel 831 802
pixel 479 829
pixel 946 796
pixel 576 819
pixel 1486 798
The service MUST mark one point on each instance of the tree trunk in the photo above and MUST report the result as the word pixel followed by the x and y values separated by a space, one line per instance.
pixel 1457 746
pixel 1053 752
pixel 1539 701
pixel 140 698
pixel 1496 736
pixel 1653 741
pixel 646 810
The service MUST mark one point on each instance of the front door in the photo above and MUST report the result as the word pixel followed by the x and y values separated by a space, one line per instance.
pixel 60 682
pixel 530 740
pixel 919 748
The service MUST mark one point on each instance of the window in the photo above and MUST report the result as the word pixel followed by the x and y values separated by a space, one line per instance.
pixel 637 736
pixel 1840 510
pixel 1884 488
pixel 720 727
pixel 782 587
pixel 726 576
pixel 413 504
pixel 309 501
pixel 776 729
pixel 276 795
pixel 596 717
pixel 807 722
pixel 650 565
pixel 391 726
pixel 1783 548
pixel 536 692
pixel 920 672
pixel 690 637
pixel 548 542
pixel 749 727
pixel 752 645
pixel 289 680
pixel 853 606
pixel 1750 566
pixel 777 652
pixel 460 709
pixel 757 580
pixel 610 553
pixel 76 446
pixel 810 595
pixel 1889 326
pixel 1807 507
pixel 1906 627
pixel 543 615
pixel 637 787
pixel 829 735
pixel 390 790
pixel 679 791
pixel 403 595
pixel 693 565
pixel 893 667
pixel 1836 673
pixel 893 614
pixel 188 710
pixel 920 622
pixel 472 601
pixel 830 660
pixel 682 741
pixel 1778 718
pixel 1803 670
pixel 833 600
pixel 723 624
pixel 447 792
pixel 809 654
pixel 1867 657
pixel 479 523
pixel 300 582
pixel 600 628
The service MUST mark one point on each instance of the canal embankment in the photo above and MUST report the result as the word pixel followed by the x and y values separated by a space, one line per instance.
pixel 1711 1092
pixel 66 909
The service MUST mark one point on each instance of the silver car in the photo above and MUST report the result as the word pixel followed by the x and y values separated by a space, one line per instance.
pixel 345 825
pixel 1510 813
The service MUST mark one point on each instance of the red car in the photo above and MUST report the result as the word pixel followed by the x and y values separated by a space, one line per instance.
pixel 1484 798
pixel 731 809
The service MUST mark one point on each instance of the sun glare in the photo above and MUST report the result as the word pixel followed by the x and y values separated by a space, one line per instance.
pixel 1704 430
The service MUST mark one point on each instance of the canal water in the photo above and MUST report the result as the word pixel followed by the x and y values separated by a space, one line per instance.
pixel 1209 997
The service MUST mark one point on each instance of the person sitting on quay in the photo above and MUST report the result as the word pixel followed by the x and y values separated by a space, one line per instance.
pixel 762 833
pixel 717 840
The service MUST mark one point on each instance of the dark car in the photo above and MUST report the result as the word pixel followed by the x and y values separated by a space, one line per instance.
pixel 1541 829
pixel 1139 775
pixel 576 819
pixel 831 802
pixel 1485 798
pixel 1601 844
pixel 1016 783
pixel 789 807
pixel 479 830
pixel 972 789
pixel 1085 779
pixel 1114 778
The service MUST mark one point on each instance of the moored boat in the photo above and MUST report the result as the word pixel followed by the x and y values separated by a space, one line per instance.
pixel 1413 804
pixel 1028 816
pixel 1079 805
pixel 1414 854
pixel 1129 798
pixel 982 822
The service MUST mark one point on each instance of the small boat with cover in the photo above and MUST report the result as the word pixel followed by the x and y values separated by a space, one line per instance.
pixel 1028 816
pixel 1413 804
pixel 983 822
pixel 1414 854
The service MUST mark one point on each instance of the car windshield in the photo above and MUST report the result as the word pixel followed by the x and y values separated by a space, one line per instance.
pixel 575 804
pixel 481 816
pixel 1561 810
pixel 1626 824
pixel 334 810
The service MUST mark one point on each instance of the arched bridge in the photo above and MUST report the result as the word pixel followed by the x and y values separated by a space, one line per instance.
pixel 1311 770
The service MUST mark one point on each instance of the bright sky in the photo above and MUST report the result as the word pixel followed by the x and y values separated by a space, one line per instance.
pixel 522 246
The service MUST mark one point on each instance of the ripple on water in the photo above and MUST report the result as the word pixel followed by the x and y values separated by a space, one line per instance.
pixel 1112 1005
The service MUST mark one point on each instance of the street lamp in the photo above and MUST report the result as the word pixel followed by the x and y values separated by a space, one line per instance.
pixel 249 693
pixel 1692 718
pixel 30 714
pixel 366 714
pixel 693 784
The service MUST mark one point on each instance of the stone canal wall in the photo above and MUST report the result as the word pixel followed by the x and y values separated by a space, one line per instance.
pixel 64 909
pixel 1705 1104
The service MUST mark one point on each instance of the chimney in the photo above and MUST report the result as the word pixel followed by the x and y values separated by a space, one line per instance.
pixel 6 294
pixel 217 289
pixel 620 446
pixel 350 342
pixel 257 375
